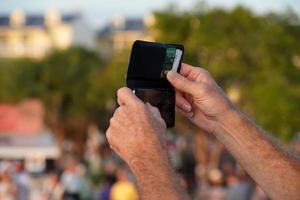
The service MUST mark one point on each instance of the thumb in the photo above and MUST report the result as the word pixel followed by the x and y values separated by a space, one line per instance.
pixel 181 83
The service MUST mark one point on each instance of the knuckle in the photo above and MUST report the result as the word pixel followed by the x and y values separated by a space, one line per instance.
pixel 119 91
pixel 112 121
pixel 202 70
pixel 207 89
pixel 108 134
pixel 160 121
pixel 118 111
pixel 163 123
pixel 115 113
pixel 155 109
pixel 159 118
pixel 156 112
pixel 206 73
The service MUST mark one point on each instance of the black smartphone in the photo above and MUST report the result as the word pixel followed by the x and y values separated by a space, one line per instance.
pixel 146 75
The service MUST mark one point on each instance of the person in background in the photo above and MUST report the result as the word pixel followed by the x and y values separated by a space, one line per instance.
pixel 137 134
pixel 53 189
pixel 71 180
pixel 109 180
pixel 239 185
pixel 123 189
pixel 8 189
pixel 214 190
pixel 22 179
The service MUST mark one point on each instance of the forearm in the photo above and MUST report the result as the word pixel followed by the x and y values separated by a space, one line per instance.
pixel 156 179
pixel 273 169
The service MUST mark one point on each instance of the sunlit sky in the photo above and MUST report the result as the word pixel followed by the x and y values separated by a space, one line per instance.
pixel 98 12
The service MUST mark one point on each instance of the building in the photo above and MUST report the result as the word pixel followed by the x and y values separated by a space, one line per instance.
pixel 34 36
pixel 23 136
pixel 121 32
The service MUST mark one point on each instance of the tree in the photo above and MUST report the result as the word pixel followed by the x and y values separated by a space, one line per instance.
pixel 251 52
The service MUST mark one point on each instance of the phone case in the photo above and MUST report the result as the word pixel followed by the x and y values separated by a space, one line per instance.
pixel 146 76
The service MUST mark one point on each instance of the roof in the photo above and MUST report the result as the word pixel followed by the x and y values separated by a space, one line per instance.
pixel 4 21
pixel 129 24
pixel 37 20
pixel 135 24
pixel 70 17
pixel 26 117
pixel 34 20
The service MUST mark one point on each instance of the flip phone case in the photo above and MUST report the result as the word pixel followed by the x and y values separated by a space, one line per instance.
pixel 144 76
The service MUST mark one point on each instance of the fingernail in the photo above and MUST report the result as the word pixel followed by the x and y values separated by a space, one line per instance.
pixel 171 74
pixel 187 107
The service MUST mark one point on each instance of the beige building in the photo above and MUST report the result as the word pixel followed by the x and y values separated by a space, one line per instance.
pixel 34 36
pixel 121 32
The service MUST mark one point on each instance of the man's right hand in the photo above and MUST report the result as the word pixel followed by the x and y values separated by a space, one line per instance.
pixel 199 98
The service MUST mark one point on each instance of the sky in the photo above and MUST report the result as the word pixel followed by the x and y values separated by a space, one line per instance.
pixel 99 12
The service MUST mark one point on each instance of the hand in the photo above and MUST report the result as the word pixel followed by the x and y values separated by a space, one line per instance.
pixel 199 98
pixel 136 129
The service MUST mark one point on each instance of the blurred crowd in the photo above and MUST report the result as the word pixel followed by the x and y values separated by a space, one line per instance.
pixel 206 170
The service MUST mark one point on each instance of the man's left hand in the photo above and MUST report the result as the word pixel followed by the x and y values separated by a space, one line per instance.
pixel 136 131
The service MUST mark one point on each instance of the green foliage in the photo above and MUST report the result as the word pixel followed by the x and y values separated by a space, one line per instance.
pixel 112 77
pixel 66 78
pixel 252 52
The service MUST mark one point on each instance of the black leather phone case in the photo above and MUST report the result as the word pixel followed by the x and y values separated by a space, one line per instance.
pixel 144 77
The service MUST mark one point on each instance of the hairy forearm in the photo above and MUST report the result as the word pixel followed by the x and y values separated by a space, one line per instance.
pixel 272 168
pixel 156 179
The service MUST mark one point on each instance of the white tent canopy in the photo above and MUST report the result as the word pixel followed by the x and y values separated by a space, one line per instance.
pixel 20 146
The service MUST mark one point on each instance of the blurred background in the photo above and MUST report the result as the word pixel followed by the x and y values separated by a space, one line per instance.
pixel 61 62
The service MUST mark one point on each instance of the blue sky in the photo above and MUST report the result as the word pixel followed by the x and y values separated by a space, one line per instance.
pixel 97 12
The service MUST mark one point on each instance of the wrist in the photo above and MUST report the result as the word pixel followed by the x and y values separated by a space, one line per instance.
pixel 156 175
pixel 229 122
pixel 152 165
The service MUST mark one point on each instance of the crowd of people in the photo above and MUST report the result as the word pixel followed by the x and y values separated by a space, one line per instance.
pixel 205 169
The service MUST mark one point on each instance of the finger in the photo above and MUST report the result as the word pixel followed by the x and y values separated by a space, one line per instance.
pixel 181 83
pixel 195 73
pixel 114 122
pixel 127 97
pixel 186 69
pixel 119 114
pixel 153 110
pixel 120 103
pixel 156 113
pixel 109 134
pixel 186 114
pixel 182 103
pixel 119 111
